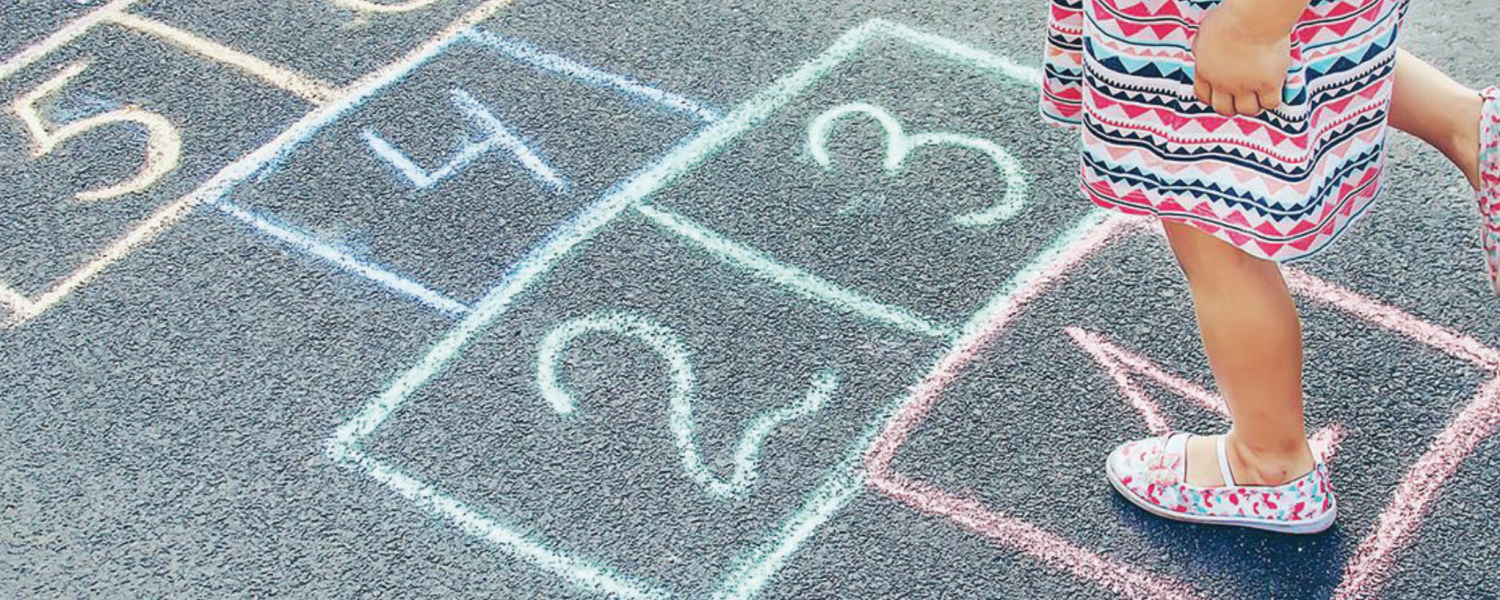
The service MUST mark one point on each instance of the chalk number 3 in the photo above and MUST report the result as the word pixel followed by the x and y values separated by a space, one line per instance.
pixel 163 146
pixel 899 145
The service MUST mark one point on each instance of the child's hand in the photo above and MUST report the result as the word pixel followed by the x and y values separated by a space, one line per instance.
pixel 1242 58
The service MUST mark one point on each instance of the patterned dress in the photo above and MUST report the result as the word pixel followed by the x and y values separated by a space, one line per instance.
pixel 1280 185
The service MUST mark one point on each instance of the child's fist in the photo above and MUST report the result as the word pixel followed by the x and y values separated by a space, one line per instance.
pixel 1241 60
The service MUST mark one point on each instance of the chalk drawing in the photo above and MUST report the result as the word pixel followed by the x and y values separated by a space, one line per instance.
pixel 305 87
pixel 557 64
pixel 756 568
pixel 377 7
pixel 680 405
pixel 163 145
pixel 24 309
pixel 499 136
pixel 1120 363
pixel 899 146
pixel 496 136
pixel 805 284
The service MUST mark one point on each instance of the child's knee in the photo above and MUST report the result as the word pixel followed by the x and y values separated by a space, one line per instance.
pixel 1204 258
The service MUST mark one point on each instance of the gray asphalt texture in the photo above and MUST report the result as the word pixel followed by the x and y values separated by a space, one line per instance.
pixel 163 428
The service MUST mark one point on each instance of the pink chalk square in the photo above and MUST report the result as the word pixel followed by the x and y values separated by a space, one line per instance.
pixel 1386 506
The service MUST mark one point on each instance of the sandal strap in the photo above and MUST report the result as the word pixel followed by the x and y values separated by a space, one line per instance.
pixel 1224 463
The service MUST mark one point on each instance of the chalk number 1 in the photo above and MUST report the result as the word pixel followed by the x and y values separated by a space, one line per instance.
pixel 163 145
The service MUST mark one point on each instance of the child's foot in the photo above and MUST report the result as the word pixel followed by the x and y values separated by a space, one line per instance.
pixel 1156 475
pixel 1486 179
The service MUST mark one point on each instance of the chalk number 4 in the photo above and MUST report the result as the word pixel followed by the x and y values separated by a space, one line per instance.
pixel 163 145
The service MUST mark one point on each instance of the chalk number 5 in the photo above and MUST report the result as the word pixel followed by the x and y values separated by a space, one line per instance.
pixel 163 146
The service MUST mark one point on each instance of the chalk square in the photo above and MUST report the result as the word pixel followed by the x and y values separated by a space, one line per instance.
pixel 53 240
pixel 1012 504
pixel 908 175
pixel 605 478
pixel 752 570
pixel 458 230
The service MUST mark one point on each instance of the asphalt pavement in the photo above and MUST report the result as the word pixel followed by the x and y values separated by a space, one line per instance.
pixel 786 299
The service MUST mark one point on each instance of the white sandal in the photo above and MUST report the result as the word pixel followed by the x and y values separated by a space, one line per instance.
pixel 1152 474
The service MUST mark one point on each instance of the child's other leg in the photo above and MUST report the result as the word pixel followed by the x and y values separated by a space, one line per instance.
pixel 1253 339
pixel 1438 110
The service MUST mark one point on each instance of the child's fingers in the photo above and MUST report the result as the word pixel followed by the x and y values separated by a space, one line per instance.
pixel 1223 103
pixel 1270 99
pixel 1247 104
pixel 1203 90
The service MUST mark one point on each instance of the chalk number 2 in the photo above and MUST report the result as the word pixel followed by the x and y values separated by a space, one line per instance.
pixel 163 145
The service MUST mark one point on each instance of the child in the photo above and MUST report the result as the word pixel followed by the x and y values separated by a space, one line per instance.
pixel 1255 131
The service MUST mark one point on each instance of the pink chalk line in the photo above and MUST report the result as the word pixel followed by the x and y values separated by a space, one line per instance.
pixel 1119 363
pixel 1043 545
pixel 1364 574
pixel 927 391
pixel 1447 340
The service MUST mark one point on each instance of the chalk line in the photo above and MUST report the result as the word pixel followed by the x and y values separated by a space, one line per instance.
pixel 377 7
pixel 578 571
pixel 1123 579
pixel 1119 363
pixel 534 57
pixel 805 284
pixel 1410 504
pixel 343 259
pixel 1065 252
pixel 1447 340
pixel 305 87
pixel 62 37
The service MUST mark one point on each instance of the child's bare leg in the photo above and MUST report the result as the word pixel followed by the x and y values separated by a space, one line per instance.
pixel 1249 323
pixel 1442 112
pixel 1253 338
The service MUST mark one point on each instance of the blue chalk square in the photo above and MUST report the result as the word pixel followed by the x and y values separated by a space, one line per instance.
pixel 738 397
pixel 443 179
pixel 906 174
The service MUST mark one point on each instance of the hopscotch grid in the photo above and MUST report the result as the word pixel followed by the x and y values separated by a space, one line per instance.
pixel 23 309
pixel 753 572
pixel 260 163
pixel 269 154
pixel 1364 573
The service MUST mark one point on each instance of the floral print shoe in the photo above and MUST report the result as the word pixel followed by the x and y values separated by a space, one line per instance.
pixel 1488 194
pixel 1152 474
